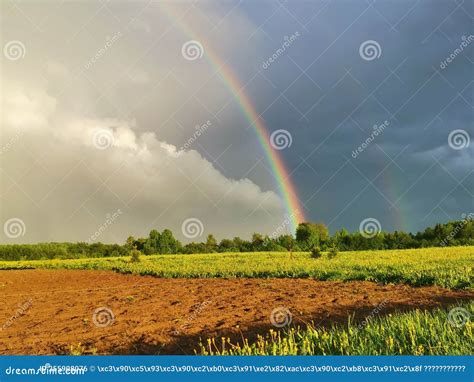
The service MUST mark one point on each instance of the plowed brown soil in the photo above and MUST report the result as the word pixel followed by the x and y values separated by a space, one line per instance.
pixel 51 311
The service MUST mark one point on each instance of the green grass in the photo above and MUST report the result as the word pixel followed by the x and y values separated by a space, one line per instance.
pixel 447 267
pixel 413 333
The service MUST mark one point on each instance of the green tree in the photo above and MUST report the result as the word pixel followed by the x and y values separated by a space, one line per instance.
pixel 227 245
pixel 257 242
pixel 211 243
pixel 242 245
pixel 309 235
pixel 288 242
pixel 152 244
pixel 167 243
pixel 130 243
pixel 239 244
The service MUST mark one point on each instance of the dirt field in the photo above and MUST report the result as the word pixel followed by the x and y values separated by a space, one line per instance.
pixel 51 312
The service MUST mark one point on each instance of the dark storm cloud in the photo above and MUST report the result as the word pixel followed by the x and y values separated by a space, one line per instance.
pixel 332 108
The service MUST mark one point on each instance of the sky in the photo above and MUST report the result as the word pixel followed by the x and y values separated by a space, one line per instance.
pixel 118 117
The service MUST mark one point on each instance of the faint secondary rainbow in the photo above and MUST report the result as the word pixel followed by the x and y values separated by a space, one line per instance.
pixel 286 188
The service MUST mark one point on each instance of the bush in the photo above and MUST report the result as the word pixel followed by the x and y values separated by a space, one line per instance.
pixel 316 252
pixel 332 252
pixel 135 255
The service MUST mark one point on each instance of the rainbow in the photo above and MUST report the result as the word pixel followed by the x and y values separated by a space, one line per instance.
pixel 391 187
pixel 294 209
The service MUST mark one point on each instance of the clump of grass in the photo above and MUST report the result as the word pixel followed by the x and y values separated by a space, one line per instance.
pixel 413 333
pixel 135 255
pixel 332 252
pixel 316 252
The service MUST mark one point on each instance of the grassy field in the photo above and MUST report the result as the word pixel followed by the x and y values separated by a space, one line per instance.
pixel 449 267
pixel 413 333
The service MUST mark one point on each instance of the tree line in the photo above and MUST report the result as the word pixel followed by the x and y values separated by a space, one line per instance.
pixel 309 237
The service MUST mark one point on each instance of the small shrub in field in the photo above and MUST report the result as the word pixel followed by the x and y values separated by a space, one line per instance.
pixel 316 252
pixel 135 256
pixel 332 252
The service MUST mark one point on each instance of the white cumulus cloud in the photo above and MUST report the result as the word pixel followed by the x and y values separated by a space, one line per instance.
pixel 62 185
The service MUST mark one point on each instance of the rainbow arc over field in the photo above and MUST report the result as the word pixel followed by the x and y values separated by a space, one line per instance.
pixel 287 190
